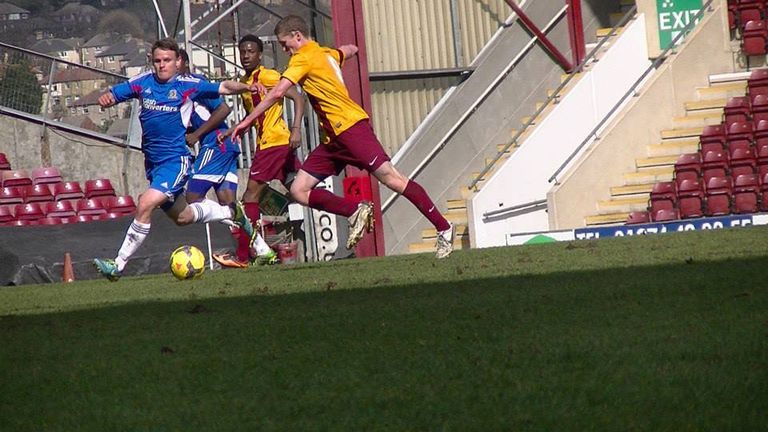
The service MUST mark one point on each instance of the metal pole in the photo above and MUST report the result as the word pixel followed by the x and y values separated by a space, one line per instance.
pixel 160 18
pixel 48 100
pixel 541 36
pixel 458 49
pixel 187 29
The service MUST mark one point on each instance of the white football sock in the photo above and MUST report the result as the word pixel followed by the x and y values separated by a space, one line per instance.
pixel 134 237
pixel 210 211
pixel 260 245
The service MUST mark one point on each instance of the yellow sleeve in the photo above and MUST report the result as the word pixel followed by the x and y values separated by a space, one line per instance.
pixel 298 68
pixel 269 78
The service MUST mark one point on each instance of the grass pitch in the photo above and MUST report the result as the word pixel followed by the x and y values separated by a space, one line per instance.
pixel 666 332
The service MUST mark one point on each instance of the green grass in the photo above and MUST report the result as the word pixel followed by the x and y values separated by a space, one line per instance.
pixel 658 333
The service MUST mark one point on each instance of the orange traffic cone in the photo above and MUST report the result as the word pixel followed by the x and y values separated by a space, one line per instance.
pixel 67 274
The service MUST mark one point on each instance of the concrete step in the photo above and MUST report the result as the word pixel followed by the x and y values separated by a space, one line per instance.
pixel 642 188
pixel 705 104
pixel 606 219
pixel 724 90
pixel 457 204
pixel 649 175
pixel 430 234
pixel 656 161
pixel 706 117
pixel 688 132
pixel 623 204
pixel 673 147
pixel 456 217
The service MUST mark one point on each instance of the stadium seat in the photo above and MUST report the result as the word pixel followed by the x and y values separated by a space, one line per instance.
pixel 98 188
pixel 750 10
pixel 712 138
pixel 113 215
pixel 67 191
pixel 120 204
pixel 665 215
pixel 745 193
pixel 48 220
pixel 83 218
pixel 758 82
pixel 4 163
pixel 737 109
pixel 719 191
pixel 90 207
pixel 740 134
pixel 46 175
pixel 6 214
pixel 37 193
pixel 759 109
pixel 743 161
pixel 29 211
pixel 715 164
pixel 753 40
pixel 690 199
pixel 16 178
pixel 638 217
pixel 687 167
pixel 60 209
pixel 23 222
pixel 663 196
pixel 764 193
pixel 11 195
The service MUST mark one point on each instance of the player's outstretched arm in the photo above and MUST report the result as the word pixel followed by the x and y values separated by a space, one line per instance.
pixel 348 50
pixel 107 100
pixel 298 114
pixel 233 87
pixel 271 97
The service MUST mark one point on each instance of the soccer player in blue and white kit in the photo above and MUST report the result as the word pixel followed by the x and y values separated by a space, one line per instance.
pixel 166 103
pixel 216 163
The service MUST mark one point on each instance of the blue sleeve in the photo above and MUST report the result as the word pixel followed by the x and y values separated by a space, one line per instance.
pixel 206 90
pixel 123 91
pixel 210 103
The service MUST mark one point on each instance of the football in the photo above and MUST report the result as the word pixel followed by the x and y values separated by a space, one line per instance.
pixel 187 262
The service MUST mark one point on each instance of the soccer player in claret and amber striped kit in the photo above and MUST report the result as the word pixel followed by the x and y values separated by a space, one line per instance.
pixel 351 140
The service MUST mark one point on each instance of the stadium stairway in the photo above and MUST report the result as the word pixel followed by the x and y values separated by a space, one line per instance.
pixel 658 166
pixel 457 207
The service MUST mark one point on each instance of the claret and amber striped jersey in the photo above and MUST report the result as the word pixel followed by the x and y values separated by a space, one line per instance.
pixel 318 70
pixel 272 129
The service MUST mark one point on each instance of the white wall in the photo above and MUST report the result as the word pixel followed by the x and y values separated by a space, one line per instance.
pixel 523 177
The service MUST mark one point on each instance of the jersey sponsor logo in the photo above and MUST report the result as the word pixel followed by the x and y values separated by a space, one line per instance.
pixel 151 104
pixel 172 95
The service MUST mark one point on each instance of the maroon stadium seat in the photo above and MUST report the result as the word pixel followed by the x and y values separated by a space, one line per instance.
pixel 753 40
pixel 758 82
pixel 743 161
pixel 749 10
pixel 46 175
pixel 15 178
pixel 113 215
pixel 4 163
pixel 23 222
pixel 663 196
pixel 67 191
pixel 719 192
pixel 37 193
pixel 690 199
pixel 740 134
pixel 11 195
pixel 83 218
pixel 687 167
pixel 712 138
pixel 99 188
pixel 764 193
pixel 90 207
pixel 715 164
pixel 759 108
pixel 50 221
pixel 120 204
pixel 737 109
pixel 60 209
pixel 745 193
pixel 638 217
pixel 6 214
pixel 29 211
pixel 664 215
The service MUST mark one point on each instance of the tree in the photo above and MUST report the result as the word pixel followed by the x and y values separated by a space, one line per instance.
pixel 19 88
pixel 122 21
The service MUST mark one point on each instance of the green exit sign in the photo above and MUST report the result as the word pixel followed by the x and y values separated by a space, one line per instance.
pixel 674 16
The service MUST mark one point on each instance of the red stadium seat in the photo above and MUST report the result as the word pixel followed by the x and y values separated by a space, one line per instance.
pixel 712 138
pixel 753 41
pixel 23 222
pixel 687 167
pixel 750 10
pixel 83 218
pixel 663 196
pixel 737 109
pixel 743 161
pixel 664 215
pixel 4 164
pixel 719 191
pixel 90 207
pixel 60 209
pixel 99 188
pixel 638 217
pixel 29 211
pixel 46 175
pixel 15 178
pixel 120 204
pixel 758 82
pixel 113 215
pixel 759 108
pixel 11 195
pixel 6 214
pixel 740 134
pixel 715 164
pixel 50 221
pixel 745 193
pixel 690 199
pixel 37 193
pixel 67 191
pixel 764 193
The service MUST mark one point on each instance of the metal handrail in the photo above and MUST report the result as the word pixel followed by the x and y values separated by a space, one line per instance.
pixel 58 60
pixel 533 205
pixel 555 95
pixel 443 141
pixel 660 59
